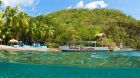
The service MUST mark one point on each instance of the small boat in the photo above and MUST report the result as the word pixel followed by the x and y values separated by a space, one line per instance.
pixel 84 46
pixel 123 48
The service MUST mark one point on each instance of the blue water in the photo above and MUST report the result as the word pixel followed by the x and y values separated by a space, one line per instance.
pixel 12 70
pixel 69 65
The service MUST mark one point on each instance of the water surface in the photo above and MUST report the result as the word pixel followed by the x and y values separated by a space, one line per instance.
pixel 69 65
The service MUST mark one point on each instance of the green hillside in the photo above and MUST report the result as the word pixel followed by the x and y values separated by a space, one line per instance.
pixel 82 24
pixel 71 25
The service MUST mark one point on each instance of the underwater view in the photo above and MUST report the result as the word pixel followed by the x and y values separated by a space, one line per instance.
pixel 69 65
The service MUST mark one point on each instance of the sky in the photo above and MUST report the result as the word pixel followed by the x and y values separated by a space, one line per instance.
pixel 37 7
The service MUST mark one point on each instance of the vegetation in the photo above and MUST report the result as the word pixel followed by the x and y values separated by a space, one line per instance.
pixel 70 25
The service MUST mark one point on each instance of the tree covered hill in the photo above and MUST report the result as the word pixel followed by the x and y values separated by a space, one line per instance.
pixel 83 24
pixel 71 25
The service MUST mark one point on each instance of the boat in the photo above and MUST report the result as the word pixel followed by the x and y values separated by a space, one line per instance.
pixel 83 46
pixel 123 48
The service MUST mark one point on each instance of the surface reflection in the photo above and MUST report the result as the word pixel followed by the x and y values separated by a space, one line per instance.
pixel 84 59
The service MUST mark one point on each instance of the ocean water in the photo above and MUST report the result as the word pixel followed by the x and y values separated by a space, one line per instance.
pixel 69 65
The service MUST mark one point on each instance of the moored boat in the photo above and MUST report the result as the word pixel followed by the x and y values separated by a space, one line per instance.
pixel 72 47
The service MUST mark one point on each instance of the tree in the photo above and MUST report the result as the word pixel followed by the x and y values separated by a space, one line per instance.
pixel 9 15
pixel 1 22
pixel 21 26
pixel 0 2
pixel 70 25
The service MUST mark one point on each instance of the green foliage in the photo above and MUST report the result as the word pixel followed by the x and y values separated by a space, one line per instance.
pixel 0 4
pixel 71 25
pixel 118 27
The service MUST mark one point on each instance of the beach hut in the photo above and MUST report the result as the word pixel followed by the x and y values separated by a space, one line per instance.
pixel 100 34
pixel 13 41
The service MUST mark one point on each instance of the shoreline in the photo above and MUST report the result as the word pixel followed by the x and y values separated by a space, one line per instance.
pixel 31 49
pixel 9 48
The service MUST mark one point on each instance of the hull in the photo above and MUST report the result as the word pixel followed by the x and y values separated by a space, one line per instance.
pixel 83 49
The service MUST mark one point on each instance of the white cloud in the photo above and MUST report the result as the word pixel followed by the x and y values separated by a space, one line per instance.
pixel 13 3
pixel 23 4
pixel 80 4
pixel 96 4
pixel 91 5
pixel 35 4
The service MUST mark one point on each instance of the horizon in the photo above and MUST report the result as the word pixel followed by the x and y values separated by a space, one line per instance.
pixel 38 7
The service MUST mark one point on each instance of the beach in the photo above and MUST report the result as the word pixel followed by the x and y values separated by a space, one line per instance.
pixel 28 48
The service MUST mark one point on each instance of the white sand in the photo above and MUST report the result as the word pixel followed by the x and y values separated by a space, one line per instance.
pixel 4 47
pixel 28 48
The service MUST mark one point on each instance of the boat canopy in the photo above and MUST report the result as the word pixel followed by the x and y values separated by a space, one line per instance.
pixel 81 42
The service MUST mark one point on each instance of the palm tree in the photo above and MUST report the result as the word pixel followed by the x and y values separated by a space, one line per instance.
pixel 21 26
pixel 42 29
pixel 0 3
pixel 9 15
pixel 1 22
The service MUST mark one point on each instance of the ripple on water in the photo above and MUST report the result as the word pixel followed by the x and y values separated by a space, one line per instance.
pixel 99 56
pixel 84 59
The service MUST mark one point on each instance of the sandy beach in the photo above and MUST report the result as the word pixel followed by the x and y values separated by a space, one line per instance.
pixel 28 48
